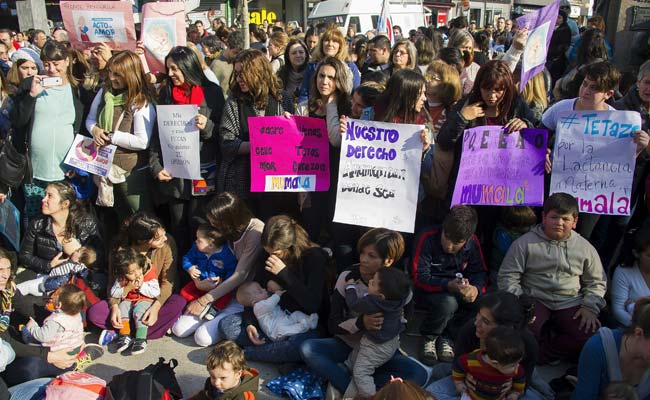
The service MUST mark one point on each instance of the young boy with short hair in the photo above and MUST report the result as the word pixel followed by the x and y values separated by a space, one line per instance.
pixel 492 369
pixel 562 272
pixel 449 273
pixel 229 378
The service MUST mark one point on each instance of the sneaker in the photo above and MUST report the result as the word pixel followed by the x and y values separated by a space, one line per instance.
pixel 107 336
pixel 139 346
pixel 90 353
pixel 429 354
pixel 445 350
pixel 123 343
pixel 205 311
pixel 211 314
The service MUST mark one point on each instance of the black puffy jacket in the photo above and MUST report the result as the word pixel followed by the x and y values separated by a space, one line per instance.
pixel 40 246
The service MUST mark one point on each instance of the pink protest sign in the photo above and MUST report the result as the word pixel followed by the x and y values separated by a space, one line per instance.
pixel 289 154
pixel 163 27
pixel 92 22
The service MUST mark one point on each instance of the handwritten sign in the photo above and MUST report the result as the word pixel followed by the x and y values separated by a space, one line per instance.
pixel 10 223
pixel 540 24
pixel 594 159
pixel 163 27
pixel 501 169
pixel 87 156
pixel 379 174
pixel 289 154
pixel 92 22
pixel 179 140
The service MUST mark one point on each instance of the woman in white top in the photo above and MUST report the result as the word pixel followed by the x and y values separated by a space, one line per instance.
pixel 122 114
pixel 631 281
pixel 464 41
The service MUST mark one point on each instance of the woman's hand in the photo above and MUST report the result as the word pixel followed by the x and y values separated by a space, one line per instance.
pixel 201 121
pixel 472 111
pixel 520 39
pixel 163 176
pixel 207 284
pixel 425 138
pixel 103 51
pixel 274 264
pixel 642 139
pixel 373 322
pixel 150 316
pixel 515 125
pixel 116 317
pixel 58 259
pixel 3 197
pixel 254 337
pixel 61 359
pixel 100 136
pixel 139 47
pixel 36 87
pixel 343 124
pixel 287 115
pixel 194 308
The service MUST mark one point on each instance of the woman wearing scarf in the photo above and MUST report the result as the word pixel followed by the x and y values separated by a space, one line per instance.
pixel 187 84
pixel 122 114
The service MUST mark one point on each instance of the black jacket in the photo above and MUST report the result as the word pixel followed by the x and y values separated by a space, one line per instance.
pixel 40 246
pixel 22 115
pixel 212 107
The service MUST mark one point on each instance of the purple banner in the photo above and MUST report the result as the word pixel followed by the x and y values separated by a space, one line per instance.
pixel 540 25
pixel 501 169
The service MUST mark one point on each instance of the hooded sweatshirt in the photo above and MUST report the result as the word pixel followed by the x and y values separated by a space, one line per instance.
pixel 250 383
pixel 560 274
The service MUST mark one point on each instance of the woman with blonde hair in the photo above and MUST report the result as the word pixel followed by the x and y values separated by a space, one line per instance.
pixel 277 43
pixel 122 114
pixel 535 94
pixel 332 44
pixel 254 92
pixel 403 56
pixel 464 41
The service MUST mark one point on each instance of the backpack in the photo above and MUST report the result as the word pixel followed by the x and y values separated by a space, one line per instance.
pixel 76 385
pixel 155 382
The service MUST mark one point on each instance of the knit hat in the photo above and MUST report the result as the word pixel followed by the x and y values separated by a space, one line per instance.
pixel 29 55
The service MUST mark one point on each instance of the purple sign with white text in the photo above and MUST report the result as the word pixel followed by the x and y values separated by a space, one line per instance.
pixel 501 169
pixel 540 25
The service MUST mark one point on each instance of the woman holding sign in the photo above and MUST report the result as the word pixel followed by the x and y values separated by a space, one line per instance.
pixel 47 116
pixel 187 84
pixel 123 115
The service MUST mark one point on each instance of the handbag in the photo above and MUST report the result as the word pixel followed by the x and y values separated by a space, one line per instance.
pixel 14 165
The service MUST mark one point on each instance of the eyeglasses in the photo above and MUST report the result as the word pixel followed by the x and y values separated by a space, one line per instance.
pixel 401 53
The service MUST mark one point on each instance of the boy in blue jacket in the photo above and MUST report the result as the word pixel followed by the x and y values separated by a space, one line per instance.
pixel 449 274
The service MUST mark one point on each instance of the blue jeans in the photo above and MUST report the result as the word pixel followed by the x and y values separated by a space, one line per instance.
pixel 326 357
pixel 25 369
pixel 445 389
pixel 284 351
pixel 27 390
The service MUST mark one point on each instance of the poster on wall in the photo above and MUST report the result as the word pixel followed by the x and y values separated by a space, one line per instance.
pixel 89 23
pixel 163 27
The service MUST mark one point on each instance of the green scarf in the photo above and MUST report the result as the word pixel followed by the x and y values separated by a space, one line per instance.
pixel 105 120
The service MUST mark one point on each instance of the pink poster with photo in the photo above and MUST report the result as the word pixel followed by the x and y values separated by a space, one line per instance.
pixel 163 27
pixel 89 23
pixel 289 154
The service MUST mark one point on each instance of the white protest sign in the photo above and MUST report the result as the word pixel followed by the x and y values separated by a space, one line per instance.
pixel 87 156
pixel 594 159
pixel 379 175
pixel 179 140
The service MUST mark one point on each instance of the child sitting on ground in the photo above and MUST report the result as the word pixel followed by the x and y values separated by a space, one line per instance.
pixel 64 328
pixel 514 222
pixel 276 323
pixel 137 286
pixel 79 264
pixel 492 369
pixel 388 292
pixel 209 257
pixel 229 378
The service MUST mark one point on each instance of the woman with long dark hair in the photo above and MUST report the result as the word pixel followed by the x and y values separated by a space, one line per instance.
pixel 187 84
pixel 122 114
pixel 291 74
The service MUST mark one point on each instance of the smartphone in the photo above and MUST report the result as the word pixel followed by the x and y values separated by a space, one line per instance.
pixel 51 81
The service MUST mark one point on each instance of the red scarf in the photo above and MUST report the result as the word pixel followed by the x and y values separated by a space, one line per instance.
pixel 186 94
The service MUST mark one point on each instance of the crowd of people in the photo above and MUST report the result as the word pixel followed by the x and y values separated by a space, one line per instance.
pixel 270 277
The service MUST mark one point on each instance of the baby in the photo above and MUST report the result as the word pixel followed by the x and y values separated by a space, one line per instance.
pixel 274 321
pixel 78 264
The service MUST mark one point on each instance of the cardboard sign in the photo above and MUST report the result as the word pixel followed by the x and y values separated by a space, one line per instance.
pixel 163 27
pixel 89 23
pixel 179 140
pixel 289 154
pixel 379 175
pixel 594 159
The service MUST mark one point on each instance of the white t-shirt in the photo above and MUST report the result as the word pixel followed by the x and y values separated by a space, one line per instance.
pixel 550 116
